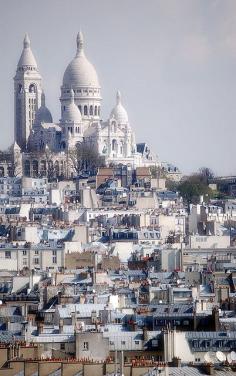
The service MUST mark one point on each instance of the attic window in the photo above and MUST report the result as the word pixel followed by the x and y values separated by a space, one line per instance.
pixel 154 342
pixel 85 346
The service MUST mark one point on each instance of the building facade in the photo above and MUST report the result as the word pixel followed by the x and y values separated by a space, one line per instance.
pixel 45 145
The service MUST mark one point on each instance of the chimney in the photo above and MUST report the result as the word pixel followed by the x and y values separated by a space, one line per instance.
pixel 60 325
pixel 176 362
pixel 209 369
pixel 194 319
pixel 59 294
pixel 215 317
pixel 122 363
pixel 40 327
pixel 170 295
pixel 145 334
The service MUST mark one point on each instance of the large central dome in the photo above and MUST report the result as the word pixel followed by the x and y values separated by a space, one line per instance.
pixel 80 72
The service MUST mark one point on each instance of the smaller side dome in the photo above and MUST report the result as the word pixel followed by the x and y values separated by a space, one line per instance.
pixel 72 113
pixel 119 113
pixel 43 115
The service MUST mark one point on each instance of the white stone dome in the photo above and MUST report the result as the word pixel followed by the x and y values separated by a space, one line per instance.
pixel 80 72
pixel 27 58
pixel 72 113
pixel 43 115
pixel 119 113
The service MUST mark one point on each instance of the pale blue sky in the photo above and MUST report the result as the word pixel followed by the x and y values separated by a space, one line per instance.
pixel 174 62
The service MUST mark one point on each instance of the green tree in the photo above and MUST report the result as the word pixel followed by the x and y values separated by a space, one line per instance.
pixel 194 186
pixel 157 172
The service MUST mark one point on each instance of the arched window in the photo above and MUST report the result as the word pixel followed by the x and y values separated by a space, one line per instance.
pixel 56 168
pixel 95 111
pixel 114 144
pixel 80 108
pixel 35 166
pixel 50 169
pixel 98 111
pixel 9 171
pixel 63 145
pixel 32 88
pixel 85 110
pixel 78 129
pixel 62 169
pixel 91 110
pixel 43 168
pixel 20 88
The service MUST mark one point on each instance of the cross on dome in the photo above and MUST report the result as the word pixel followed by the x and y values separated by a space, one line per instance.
pixel 118 97
pixel 26 41
pixel 43 99
pixel 80 42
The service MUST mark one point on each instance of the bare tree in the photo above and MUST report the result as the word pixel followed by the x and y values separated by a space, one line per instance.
pixel 11 162
pixel 85 157
pixel 48 155
pixel 206 174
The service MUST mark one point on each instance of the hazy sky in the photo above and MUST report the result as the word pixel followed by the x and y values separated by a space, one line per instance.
pixel 174 62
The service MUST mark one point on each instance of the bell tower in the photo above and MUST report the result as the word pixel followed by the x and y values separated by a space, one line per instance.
pixel 27 94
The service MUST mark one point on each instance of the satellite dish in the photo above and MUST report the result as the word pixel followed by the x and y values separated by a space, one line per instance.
pixel 229 359
pixel 210 357
pixel 220 356
pixel 233 356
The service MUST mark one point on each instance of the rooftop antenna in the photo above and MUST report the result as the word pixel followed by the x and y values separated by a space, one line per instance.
pixel 221 356
pixel 233 356
pixel 229 359
pixel 210 357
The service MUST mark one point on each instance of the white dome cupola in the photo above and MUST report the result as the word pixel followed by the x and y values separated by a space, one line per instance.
pixel 43 115
pixel 71 123
pixel 72 113
pixel 119 113
pixel 81 76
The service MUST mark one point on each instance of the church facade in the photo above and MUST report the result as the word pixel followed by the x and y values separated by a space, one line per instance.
pixel 42 144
